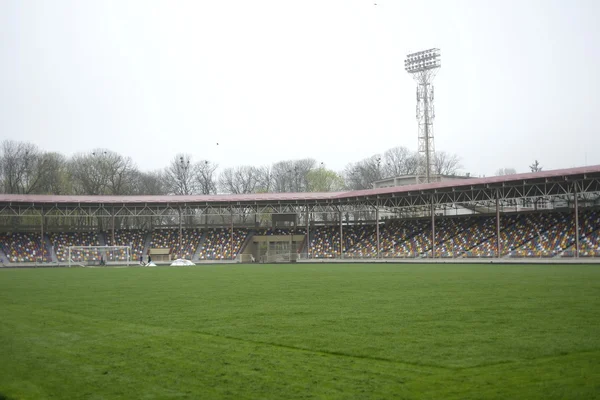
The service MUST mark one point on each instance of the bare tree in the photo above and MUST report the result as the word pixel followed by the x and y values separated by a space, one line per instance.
pixel 535 167
pixel 399 161
pixel 55 176
pixel 506 171
pixel 291 175
pixel 265 184
pixel 204 173
pixel 240 180
pixel 362 174
pixel 86 173
pixel 179 176
pixel 102 171
pixel 121 171
pixel 149 183
pixel 21 167
pixel 282 177
pixel 446 164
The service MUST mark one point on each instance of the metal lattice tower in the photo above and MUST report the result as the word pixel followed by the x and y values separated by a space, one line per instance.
pixel 423 66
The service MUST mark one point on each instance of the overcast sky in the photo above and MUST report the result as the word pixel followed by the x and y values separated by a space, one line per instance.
pixel 283 79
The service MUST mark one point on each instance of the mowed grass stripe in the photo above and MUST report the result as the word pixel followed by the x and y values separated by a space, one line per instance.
pixel 333 331
pixel 103 360
pixel 485 314
pixel 101 356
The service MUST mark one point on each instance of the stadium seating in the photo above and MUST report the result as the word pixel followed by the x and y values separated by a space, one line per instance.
pixel 133 238
pixel 553 235
pixel 531 234
pixel 280 231
pixel 513 228
pixel 325 240
pixel 406 238
pixel 454 236
pixel 24 247
pixel 589 237
pixel 169 239
pixel 62 241
pixel 218 244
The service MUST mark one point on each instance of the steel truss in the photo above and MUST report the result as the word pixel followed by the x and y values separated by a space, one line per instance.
pixel 485 198
pixel 548 190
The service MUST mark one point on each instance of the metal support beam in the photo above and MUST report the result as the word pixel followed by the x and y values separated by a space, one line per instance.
pixel 42 244
pixel 180 232
pixel 377 229
pixel 292 230
pixel 432 228
pixel 576 221
pixel 498 248
pixel 341 236
pixel 113 227
pixel 231 241
pixel 307 233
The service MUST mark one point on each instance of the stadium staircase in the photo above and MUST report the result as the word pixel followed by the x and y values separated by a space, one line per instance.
pixel 304 246
pixel 247 240
pixel 147 242
pixel 102 238
pixel 50 249
pixel 521 242
pixel 439 244
pixel 542 231
pixel 196 256
pixel 246 249
pixel 594 230
pixel 486 239
pixel 4 258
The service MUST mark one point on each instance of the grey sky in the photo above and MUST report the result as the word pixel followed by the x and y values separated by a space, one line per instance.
pixel 274 80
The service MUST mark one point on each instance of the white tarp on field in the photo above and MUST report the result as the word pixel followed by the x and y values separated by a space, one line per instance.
pixel 181 261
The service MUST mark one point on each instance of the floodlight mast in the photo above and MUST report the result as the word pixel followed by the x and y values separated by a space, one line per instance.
pixel 423 66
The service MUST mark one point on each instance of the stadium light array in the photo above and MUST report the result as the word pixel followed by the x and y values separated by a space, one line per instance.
pixel 423 66
pixel 423 61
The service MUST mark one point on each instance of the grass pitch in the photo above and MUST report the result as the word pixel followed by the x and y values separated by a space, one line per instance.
pixel 364 331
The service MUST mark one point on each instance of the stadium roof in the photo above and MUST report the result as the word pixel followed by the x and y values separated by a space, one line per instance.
pixel 313 198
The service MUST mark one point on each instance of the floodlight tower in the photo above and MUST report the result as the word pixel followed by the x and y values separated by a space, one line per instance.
pixel 423 66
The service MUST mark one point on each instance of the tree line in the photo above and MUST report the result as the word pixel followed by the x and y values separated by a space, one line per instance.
pixel 26 169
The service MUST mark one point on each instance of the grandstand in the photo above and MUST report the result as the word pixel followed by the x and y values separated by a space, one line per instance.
pixel 21 247
pixel 568 228
pixel 133 238
pixel 63 240
pixel 170 239
pixel 221 244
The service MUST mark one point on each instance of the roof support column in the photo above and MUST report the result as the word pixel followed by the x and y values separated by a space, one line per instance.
pixel 42 244
pixel 180 233
pixel 113 227
pixel 231 237
pixel 341 234
pixel 576 221
pixel 432 227
pixel 307 233
pixel 498 246
pixel 377 228
pixel 292 229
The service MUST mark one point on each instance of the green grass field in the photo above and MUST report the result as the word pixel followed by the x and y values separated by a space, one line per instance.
pixel 301 331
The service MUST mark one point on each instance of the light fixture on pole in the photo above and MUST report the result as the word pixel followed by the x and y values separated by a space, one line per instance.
pixel 423 66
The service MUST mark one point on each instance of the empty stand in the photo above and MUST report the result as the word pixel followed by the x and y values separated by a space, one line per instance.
pixel 24 247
